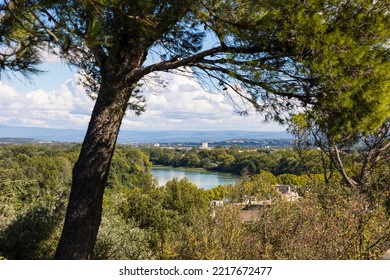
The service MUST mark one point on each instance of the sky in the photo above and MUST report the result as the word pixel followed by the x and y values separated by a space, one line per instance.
pixel 55 99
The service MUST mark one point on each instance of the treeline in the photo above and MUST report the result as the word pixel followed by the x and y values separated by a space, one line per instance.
pixel 232 160
pixel 144 221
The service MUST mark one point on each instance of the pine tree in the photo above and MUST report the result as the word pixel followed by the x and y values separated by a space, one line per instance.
pixel 277 55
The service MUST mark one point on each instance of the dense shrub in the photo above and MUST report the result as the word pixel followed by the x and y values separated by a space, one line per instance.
pixel 143 221
pixel 120 238
pixel 31 235
pixel 336 224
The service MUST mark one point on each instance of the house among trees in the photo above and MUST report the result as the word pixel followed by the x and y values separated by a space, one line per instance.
pixel 216 203
pixel 288 192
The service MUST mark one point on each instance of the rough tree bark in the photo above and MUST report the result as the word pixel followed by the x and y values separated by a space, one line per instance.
pixel 85 204
pixel 84 210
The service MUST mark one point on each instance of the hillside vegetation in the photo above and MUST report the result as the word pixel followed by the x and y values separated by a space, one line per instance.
pixel 143 221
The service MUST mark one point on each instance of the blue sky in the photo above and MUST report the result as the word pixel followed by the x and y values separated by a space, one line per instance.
pixel 54 99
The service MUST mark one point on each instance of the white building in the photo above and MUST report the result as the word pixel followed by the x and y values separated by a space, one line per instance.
pixel 205 146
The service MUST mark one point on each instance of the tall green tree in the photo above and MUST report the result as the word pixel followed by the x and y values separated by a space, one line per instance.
pixel 275 54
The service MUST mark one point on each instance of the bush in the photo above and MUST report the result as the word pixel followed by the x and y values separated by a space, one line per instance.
pixel 336 224
pixel 120 239
pixel 32 235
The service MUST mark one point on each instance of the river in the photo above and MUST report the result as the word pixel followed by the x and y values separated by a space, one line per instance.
pixel 202 178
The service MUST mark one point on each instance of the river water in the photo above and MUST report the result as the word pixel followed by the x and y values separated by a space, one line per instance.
pixel 200 177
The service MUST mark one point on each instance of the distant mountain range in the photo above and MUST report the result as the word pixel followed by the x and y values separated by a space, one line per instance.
pixel 136 136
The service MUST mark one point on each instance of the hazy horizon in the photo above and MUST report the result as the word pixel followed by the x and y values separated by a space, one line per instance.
pixel 138 136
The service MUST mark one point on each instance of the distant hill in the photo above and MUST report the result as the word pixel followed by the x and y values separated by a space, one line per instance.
pixel 127 137
pixel 271 142
pixel 43 134
pixel 11 140
pixel 183 136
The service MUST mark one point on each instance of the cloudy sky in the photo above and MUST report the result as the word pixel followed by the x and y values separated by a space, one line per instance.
pixel 56 100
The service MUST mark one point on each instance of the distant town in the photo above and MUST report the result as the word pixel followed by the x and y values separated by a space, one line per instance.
pixel 259 143
pixel 179 139
pixel 263 143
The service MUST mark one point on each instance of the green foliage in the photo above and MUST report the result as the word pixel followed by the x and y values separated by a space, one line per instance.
pixel 332 54
pixel 130 168
pixel 290 179
pixel 32 235
pixel 377 187
pixel 261 186
pixel 20 40
pixel 165 211
pixel 185 197
pixel 353 155
pixel 345 48
pixel 329 221
pixel 190 159
pixel 120 238
pixel 34 185
pixel 218 192
pixel 276 55
pixel 220 236
pixel 246 161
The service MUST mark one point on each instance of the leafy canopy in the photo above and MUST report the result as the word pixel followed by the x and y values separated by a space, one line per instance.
pixel 277 55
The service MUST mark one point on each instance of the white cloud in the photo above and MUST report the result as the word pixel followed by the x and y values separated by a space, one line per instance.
pixel 182 105
pixel 50 55
pixel 65 107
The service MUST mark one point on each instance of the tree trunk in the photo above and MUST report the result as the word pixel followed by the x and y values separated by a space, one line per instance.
pixel 90 174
